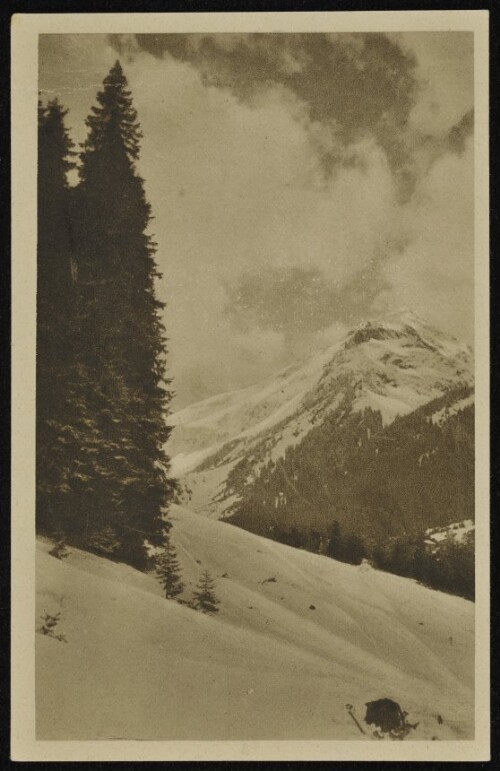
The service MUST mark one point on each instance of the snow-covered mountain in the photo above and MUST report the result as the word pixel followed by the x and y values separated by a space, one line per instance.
pixel 394 365
pixel 293 629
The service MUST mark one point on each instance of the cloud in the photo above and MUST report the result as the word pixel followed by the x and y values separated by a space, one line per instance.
pixel 445 78
pixel 298 184
pixel 300 300
pixel 434 273
pixel 354 83
pixel 237 188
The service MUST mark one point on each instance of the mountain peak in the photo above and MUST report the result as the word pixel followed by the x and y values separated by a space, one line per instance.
pixel 394 325
pixel 397 324
pixel 400 317
pixel 392 364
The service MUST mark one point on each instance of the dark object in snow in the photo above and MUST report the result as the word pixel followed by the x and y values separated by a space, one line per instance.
pixel 271 580
pixel 312 607
pixel 387 715
pixel 224 575
pixel 384 714
pixel 440 720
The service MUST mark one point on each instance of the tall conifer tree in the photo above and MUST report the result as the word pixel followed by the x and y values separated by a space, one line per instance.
pixel 55 303
pixel 122 335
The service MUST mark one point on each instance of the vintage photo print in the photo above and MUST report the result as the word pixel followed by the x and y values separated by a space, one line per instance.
pixel 250 323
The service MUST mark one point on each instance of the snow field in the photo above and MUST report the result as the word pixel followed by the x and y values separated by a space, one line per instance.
pixel 268 666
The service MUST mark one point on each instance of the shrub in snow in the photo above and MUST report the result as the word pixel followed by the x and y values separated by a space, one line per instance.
pixel 59 550
pixel 168 570
pixel 50 622
pixel 204 598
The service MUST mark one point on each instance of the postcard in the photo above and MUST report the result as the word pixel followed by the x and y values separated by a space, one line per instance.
pixel 250 386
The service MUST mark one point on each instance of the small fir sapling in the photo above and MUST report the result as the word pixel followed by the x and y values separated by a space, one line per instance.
pixel 168 570
pixel 204 598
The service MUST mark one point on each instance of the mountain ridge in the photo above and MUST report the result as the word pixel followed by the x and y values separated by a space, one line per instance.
pixel 393 364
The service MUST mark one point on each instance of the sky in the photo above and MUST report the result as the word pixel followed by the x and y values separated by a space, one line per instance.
pixel 300 184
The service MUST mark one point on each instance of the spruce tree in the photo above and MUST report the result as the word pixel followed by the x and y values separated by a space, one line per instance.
pixel 69 437
pixel 168 569
pixel 55 321
pixel 354 549
pixel 204 598
pixel 336 548
pixel 121 333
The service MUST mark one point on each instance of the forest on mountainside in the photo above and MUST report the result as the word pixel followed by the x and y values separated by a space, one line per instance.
pixel 356 489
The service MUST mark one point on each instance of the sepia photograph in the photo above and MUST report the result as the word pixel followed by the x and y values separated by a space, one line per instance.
pixel 254 329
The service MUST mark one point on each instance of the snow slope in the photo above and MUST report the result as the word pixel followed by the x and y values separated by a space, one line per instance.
pixel 459 531
pixel 268 666
pixel 394 365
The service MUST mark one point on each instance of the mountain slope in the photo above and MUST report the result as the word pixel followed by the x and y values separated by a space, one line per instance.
pixel 393 365
pixel 136 666
pixel 377 480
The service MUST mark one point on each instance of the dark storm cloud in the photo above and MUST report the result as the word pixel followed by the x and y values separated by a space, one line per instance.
pixel 300 300
pixel 356 84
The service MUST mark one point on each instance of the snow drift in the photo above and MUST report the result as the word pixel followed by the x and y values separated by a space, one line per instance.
pixel 297 637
